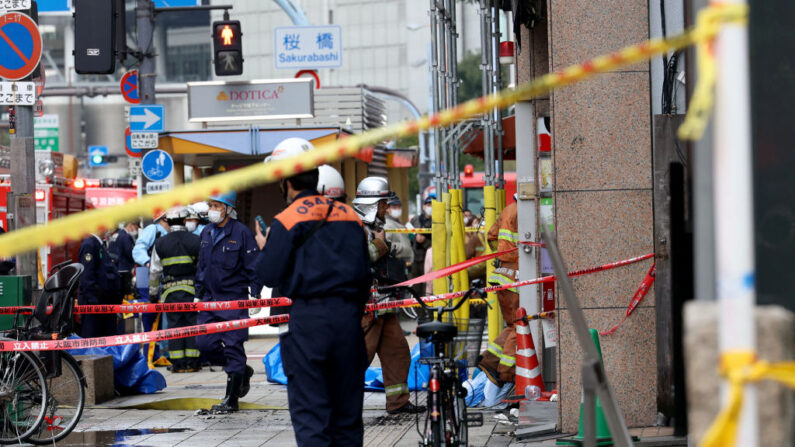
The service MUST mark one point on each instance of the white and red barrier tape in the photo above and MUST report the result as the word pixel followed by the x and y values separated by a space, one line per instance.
pixel 137 308
pixel 203 329
pixel 143 337
pixel 644 288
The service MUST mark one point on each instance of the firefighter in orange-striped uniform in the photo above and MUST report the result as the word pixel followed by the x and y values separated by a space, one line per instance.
pixel 499 359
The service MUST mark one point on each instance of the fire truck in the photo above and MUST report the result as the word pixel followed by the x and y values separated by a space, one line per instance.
pixel 57 196
pixel 472 184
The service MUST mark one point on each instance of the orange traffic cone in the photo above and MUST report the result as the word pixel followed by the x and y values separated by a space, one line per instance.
pixel 528 371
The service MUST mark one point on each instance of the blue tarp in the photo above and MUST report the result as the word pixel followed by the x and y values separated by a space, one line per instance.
pixel 131 372
pixel 373 378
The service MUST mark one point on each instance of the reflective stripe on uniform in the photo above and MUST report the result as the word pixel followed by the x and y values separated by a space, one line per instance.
pixel 508 235
pixel 502 280
pixel 176 354
pixel 507 360
pixel 495 349
pixel 528 373
pixel 400 388
pixel 192 353
pixel 189 289
pixel 174 260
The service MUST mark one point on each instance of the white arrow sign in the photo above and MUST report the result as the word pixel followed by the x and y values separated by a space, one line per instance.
pixel 148 118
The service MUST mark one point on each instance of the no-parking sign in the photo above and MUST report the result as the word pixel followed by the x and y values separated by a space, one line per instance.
pixel 129 87
pixel 20 46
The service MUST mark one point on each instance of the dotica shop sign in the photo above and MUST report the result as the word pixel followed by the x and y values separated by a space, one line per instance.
pixel 250 100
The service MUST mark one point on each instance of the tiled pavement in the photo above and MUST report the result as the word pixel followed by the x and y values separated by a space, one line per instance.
pixel 112 424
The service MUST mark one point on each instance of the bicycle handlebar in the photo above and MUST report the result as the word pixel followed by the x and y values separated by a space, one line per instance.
pixel 476 288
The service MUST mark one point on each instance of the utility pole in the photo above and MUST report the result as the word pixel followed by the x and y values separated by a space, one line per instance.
pixel 21 202
pixel 145 24
pixel 145 19
pixel 23 183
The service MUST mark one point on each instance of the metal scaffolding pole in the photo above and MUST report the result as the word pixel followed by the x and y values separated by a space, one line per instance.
pixel 485 63
pixel 456 148
pixel 435 135
pixel 495 86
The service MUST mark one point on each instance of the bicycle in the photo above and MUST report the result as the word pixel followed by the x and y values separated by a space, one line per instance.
pixel 57 385
pixel 446 420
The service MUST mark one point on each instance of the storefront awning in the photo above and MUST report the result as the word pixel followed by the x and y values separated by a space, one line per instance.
pixel 248 142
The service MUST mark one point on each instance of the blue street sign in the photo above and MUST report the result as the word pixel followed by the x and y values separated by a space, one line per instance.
pixel 97 156
pixel 157 165
pixel 147 118
pixel 54 6
pixel 307 47
pixel 175 3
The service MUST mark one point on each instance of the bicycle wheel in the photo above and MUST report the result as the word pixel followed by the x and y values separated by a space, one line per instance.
pixel 461 418
pixel 436 408
pixel 23 393
pixel 65 401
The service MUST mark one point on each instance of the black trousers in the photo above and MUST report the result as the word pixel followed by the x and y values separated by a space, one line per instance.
pixel 325 359
pixel 182 352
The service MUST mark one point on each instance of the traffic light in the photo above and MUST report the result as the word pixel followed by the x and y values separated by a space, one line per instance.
pixel 97 160
pixel 95 35
pixel 227 48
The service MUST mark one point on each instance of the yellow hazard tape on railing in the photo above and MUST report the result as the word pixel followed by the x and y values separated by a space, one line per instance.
pixel 77 226
pixel 740 368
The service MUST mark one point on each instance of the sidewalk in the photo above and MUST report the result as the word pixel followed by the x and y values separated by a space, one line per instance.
pixel 153 420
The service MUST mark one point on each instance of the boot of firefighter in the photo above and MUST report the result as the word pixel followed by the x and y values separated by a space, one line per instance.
pixel 229 403
pixel 246 385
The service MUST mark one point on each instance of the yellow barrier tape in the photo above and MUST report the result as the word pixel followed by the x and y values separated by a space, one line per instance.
pixel 428 230
pixel 739 368
pixel 700 106
pixel 76 226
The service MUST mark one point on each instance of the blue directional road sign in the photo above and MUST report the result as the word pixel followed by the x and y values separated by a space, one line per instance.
pixel 147 118
pixel 97 155
pixel 174 3
pixel 157 165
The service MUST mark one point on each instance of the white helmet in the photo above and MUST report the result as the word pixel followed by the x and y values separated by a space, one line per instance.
pixel 289 148
pixel 329 182
pixel 370 191
pixel 199 209
pixel 177 212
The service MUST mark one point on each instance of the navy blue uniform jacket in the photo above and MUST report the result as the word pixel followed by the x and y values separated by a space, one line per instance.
pixel 227 262
pixel 332 262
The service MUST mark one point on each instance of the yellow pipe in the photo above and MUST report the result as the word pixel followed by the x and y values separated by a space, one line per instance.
pixel 439 245
pixel 460 244
pixel 447 227
pixel 494 316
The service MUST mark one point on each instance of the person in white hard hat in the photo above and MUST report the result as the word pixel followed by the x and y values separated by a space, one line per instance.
pixel 330 183
pixel 315 252
pixel 172 269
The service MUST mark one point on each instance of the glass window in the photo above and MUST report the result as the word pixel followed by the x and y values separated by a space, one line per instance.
pixel 473 197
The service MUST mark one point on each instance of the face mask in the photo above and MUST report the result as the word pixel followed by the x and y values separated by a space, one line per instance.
pixel 426 210
pixel 133 233
pixel 467 221
pixel 395 213
pixel 190 226
pixel 214 216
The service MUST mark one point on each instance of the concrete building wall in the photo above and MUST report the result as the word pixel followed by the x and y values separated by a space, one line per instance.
pixel 601 132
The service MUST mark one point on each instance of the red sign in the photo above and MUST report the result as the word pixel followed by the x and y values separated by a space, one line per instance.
pixel 135 153
pixel 129 87
pixel 20 46
pixel 312 73
pixel 107 197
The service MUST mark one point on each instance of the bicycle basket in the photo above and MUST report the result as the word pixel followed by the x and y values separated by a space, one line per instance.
pixel 466 345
